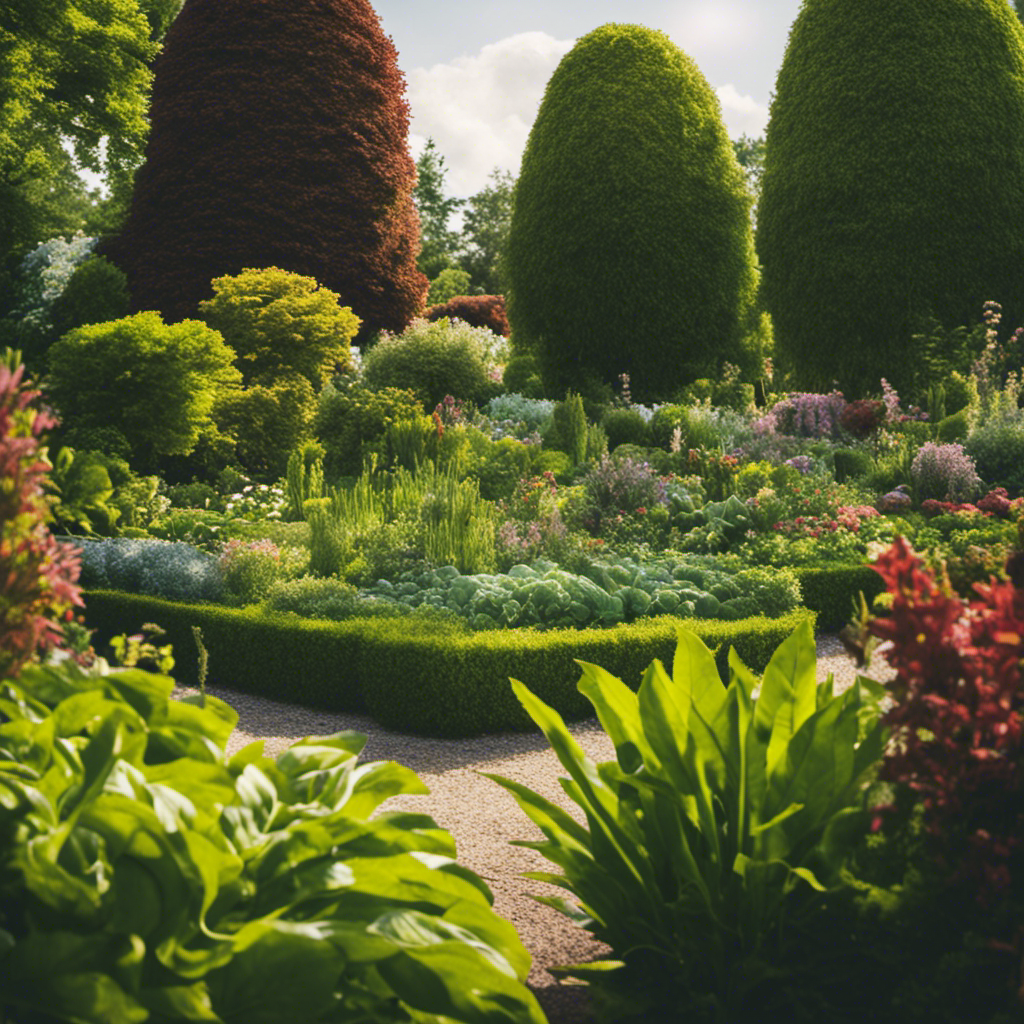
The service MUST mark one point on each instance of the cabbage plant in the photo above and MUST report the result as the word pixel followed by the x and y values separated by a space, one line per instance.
pixel 146 876
pixel 727 811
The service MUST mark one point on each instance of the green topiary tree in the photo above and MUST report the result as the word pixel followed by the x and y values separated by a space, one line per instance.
pixel 278 322
pixel 155 383
pixel 278 138
pixel 630 247
pixel 96 293
pixel 894 166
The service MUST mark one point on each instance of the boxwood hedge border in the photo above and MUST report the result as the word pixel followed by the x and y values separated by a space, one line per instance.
pixel 415 678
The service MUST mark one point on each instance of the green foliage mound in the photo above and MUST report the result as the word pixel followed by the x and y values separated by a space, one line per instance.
pixel 630 246
pixel 277 321
pixel 179 884
pixel 97 292
pixel 894 164
pixel 446 357
pixel 157 383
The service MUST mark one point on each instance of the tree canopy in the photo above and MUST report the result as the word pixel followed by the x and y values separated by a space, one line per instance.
pixel 71 71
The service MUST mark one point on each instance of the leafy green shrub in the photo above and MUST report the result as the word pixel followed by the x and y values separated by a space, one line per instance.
pixel 522 375
pixel 450 282
pixel 625 426
pixel 267 422
pixel 952 428
pixel 250 568
pixel 850 464
pixel 447 357
pixel 96 293
pixel 181 884
pixel 156 383
pixel 195 495
pixel 279 322
pixel 711 834
pixel 351 418
pixel 168 569
pixel 695 425
pixel 998 453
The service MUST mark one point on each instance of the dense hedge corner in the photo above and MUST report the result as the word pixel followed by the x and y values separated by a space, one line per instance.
pixel 833 593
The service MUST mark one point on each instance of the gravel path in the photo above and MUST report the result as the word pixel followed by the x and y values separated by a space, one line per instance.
pixel 481 815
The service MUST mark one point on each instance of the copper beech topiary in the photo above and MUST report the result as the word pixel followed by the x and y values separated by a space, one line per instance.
pixel 278 139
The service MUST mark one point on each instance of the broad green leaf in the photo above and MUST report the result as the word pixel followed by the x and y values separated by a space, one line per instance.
pixel 695 672
pixel 281 970
pixel 598 801
pixel 619 713
pixel 555 823
pixel 454 981
pixel 788 692
pixel 780 817
pixel 180 1002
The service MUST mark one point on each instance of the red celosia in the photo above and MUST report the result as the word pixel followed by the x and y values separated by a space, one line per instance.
pixel 958 713
pixel 37 575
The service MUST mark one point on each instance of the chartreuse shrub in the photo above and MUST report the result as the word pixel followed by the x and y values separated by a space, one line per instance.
pixel 864 224
pixel 146 875
pixel 711 835
pixel 655 280
pixel 157 383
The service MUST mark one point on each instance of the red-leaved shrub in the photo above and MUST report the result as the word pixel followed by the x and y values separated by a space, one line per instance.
pixel 862 417
pixel 477 310
pixel 37 575
pixel 957 715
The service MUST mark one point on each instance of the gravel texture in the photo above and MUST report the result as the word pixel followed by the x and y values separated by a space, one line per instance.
pixel 481 815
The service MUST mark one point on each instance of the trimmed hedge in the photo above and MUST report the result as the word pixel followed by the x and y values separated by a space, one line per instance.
pixel 414 677
pixel 831 592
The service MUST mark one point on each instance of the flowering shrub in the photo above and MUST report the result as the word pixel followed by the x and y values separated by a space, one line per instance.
pixel 37 574
pixel 257 501
pixel 897 500
pixel 801 463
pixel 806 414
pixel 957 716
pixel 717 470
pixel 619 486
pixel 998 503
pixel 532 523
pixel 944 471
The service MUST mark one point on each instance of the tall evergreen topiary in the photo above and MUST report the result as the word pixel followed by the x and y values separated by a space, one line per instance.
pixel 630 247
pixel 893 176
pixel 278 139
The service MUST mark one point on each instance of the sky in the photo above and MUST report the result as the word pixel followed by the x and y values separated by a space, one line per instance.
pixel 476 70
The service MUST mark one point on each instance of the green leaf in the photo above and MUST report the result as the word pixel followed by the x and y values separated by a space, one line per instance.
pixel 694 670
pixel 788 692
pixel 619 713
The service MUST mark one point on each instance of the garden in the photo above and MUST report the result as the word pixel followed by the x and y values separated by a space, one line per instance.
pixel 302 462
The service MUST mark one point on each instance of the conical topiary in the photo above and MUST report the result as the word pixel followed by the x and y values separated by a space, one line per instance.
pixel 630 247
pixel 893 177
pixel 278 139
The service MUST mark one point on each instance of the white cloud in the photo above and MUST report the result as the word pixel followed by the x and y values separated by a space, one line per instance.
pixel 742 115
pixel 714 26
pixel 479 110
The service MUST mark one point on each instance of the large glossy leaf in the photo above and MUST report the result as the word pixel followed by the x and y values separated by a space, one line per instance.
pixel 557 824
pixel 694 671
pixel 281 972
pixel 453 981
pixel 619 713
pixel 597 799
pixel 788 692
